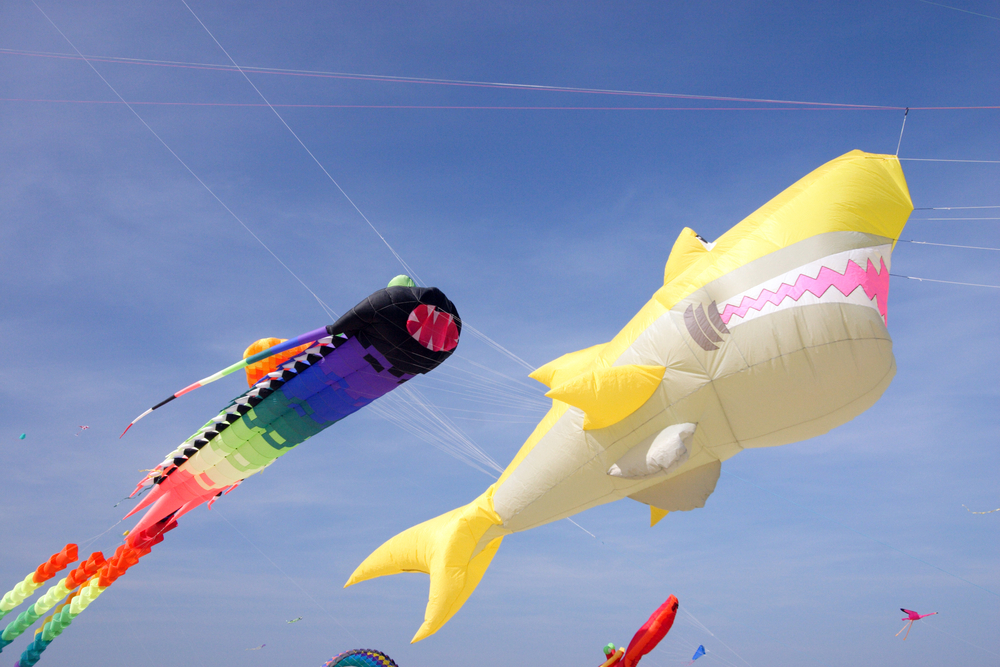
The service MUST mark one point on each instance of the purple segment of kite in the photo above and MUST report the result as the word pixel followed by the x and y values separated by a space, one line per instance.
pixel 363 374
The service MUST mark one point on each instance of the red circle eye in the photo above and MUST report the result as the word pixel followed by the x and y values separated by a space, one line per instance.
pixel 432 328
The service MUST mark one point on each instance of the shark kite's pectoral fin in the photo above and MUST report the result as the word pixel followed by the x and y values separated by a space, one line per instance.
pixel 659 454
pixel 686 491
pixel 609 395
pixel 687 249
pixel 566 367
pixel 454 549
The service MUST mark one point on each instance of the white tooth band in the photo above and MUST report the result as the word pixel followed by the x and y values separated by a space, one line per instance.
pixel 773 295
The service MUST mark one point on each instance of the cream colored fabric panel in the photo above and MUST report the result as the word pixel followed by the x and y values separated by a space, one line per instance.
pixel 830 420
pixel 801 372
pixel 550 419
pixel 560 450
pixel 578 481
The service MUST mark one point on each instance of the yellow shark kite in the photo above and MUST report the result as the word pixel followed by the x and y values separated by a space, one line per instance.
pixel 773 334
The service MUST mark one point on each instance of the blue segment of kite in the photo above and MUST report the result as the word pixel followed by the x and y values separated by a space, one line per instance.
pixel 23 436
pixel 697 654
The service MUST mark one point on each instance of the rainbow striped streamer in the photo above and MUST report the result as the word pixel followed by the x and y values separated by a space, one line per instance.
pixel 51 598
pixel 47 570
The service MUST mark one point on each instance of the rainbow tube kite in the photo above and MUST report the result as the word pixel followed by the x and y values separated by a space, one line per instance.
pixel 774 333
pixel 317 379
pixel 378 345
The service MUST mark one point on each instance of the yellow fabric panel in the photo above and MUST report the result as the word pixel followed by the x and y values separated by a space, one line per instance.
pixel 687 249
pixel 655 514
pixel 608 395
pixel 444 548
pixel 565 367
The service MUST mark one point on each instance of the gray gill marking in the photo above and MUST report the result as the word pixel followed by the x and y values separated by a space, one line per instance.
pixel 700 327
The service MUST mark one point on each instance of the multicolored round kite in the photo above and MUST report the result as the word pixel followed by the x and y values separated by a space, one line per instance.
pixel 360 657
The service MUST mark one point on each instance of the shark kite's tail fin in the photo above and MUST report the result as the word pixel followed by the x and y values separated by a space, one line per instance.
pixel 454 549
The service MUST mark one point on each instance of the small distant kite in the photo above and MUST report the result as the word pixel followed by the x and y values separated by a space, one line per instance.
pixel 910 617
pixel 257 648
pixel 82 429
pixel 23 436
pixel 966 508
pixel 697 654
pixel 294 620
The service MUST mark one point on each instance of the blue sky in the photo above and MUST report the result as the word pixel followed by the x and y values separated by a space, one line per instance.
pixel 124 279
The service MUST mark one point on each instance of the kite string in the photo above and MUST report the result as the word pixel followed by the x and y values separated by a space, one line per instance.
pixel 957 9
pixel 479 84
pixel 323 305
pixel 466 83
pixel 96 537
pixel 304 591
pixel 857 532
pixel 947 282
pixel 497 346
pixel 931 159
pixel 949 245
pixel 900 142
pixel 951 208
pixel 405 266
pixel 931 626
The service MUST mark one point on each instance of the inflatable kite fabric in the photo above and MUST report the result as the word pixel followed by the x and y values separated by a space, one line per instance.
pixel 385 340
pixel 360 657
pixel 773 334
pixel 645 640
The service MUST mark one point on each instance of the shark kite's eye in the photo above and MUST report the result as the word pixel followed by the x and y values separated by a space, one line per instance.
pixel 432 328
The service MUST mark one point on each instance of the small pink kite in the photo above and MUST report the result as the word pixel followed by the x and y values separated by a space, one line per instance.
pixel 82 429
pixel 911 616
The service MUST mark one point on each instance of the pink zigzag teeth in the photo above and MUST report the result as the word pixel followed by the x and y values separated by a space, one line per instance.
pixel 874 281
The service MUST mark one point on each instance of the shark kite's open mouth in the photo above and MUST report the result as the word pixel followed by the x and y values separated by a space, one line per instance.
pixel 845 273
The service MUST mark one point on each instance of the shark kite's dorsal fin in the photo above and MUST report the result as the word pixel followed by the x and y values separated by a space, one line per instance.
pixel 566 367
pixel 608 395
pixel 687 249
